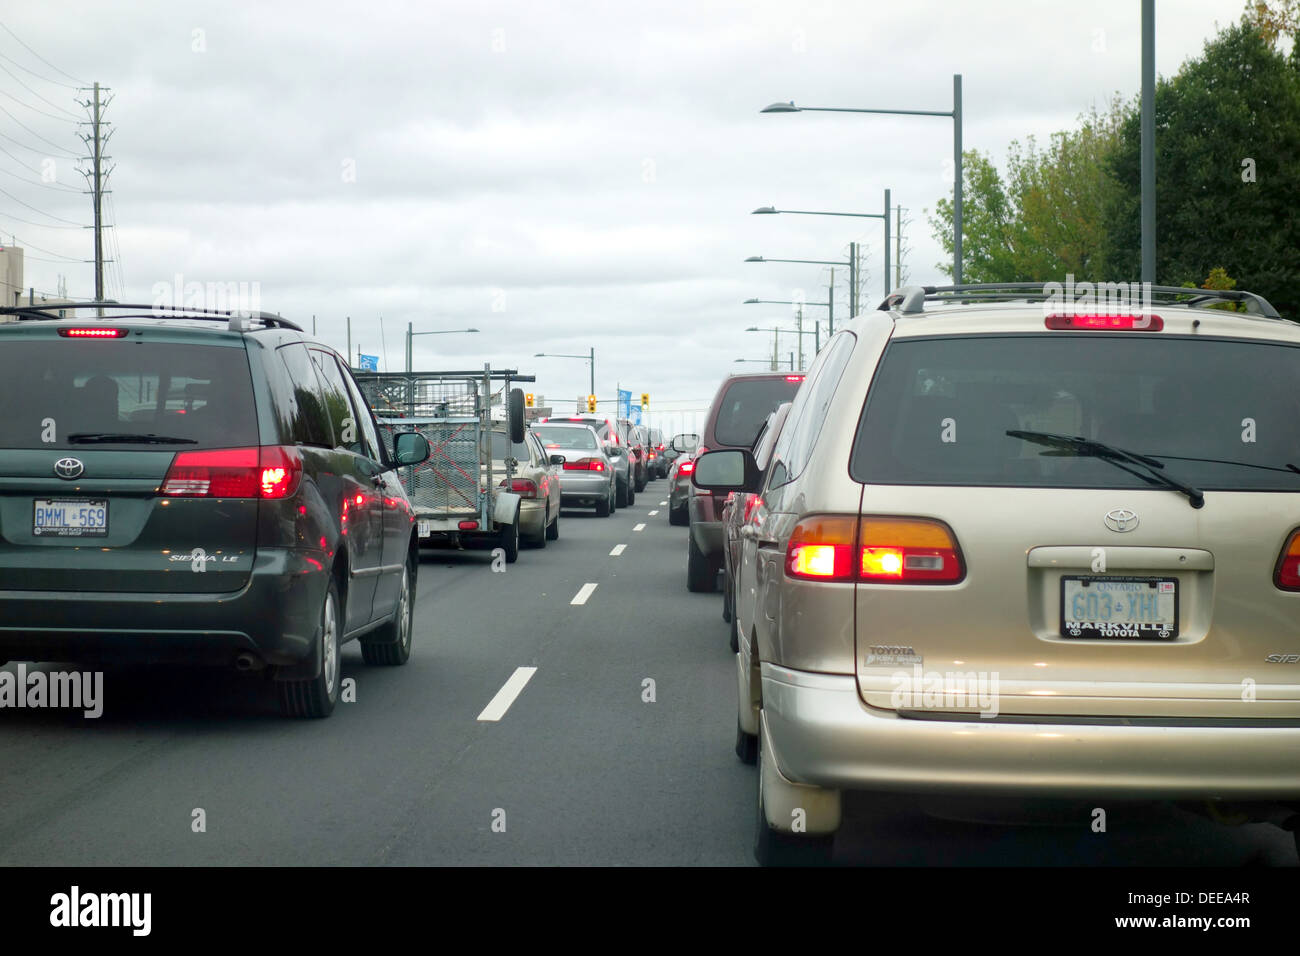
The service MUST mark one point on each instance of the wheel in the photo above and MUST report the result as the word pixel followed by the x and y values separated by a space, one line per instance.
pixel 316 696
pixel 679 516
pixel 391 644
pixel 701 572
pixel 622 498
pixel 510 541
pixel 726 596
pixel 631 496
pixel 543 536
pixel 746 746
pixel 605 506
pixel 735 633
pixel 640 485
pixel 553 529
pixel 777 848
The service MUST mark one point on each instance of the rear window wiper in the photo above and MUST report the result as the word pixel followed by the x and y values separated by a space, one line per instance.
pixel 1087 447
pixel 104 438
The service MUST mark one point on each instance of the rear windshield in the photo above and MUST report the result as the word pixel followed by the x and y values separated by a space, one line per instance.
pixel 745 407
pixel 1218 414
pixel 560 437
pixel 54 390
pixel 503 448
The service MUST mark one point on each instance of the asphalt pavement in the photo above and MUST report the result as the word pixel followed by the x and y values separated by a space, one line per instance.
pixel 577 708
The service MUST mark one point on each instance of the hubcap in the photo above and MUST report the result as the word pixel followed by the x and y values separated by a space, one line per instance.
pixel 404 609
pixel 329 634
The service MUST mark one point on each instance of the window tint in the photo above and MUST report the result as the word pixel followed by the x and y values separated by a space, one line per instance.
pixel 364 417
pixel 51 390
pixel 1218 414
pixel 347 431
pixel 745 406
pixel 817 395
pixel 298 396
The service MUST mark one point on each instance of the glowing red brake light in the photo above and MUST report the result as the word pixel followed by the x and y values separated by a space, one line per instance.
pixel 794 378
pixel 92 333
pixel 523 487
pixel 1105 321
pixel 272 471
pixel 585 464
pixel 879 550
pixel 1287 574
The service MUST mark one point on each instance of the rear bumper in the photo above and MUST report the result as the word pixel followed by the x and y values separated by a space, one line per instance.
pixel 823 734
pixel 274 616
pixel 584 488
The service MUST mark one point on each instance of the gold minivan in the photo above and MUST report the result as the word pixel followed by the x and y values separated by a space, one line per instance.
pixel 1014 544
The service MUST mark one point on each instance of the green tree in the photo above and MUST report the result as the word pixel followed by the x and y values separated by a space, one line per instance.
pixel 1227 172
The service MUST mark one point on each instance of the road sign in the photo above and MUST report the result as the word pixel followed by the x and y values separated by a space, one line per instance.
pixel 369 363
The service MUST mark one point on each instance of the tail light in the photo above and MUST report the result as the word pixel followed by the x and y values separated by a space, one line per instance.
pixel 877 550
pixel 271 471
pixel 794 378
pixel 652 456
pixel 752 502
pixel 468 525
pixel 1287 574
pixel 1109 321
pixel 98 332
pixel 585 464
pixel 686 467
pixel 523 487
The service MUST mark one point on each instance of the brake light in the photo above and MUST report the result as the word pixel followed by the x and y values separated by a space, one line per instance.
pixel 1105 320
pixel 272 471
pixel 752 502
pixel 794 378
pixel 686 467
pixel 1287 574
pixel 585 464
pixel 881 550
pixel 467 525
pixel 92 333
pixel 523 487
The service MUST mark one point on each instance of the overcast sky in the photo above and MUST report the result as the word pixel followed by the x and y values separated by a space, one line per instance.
pixel 560 175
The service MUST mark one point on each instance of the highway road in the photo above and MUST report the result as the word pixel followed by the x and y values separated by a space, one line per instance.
pixel 587 762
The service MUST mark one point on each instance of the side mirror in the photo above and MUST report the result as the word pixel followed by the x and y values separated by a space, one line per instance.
pixel 685 443
pixel 410 448
pixel 558 459
pixel 614 451
pixel 729 469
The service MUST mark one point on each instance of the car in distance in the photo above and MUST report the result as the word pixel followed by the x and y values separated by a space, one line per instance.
pixel 196 488
pixel 661 462
pixel 683 448
pixel 587 473
pixel 734 419
pixel 1010 545
pixel 615 449
pixel 535 481
pixel 634 442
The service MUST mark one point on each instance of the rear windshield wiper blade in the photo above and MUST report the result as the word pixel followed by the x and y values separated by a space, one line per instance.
pixel 1118 457
pixel 104 438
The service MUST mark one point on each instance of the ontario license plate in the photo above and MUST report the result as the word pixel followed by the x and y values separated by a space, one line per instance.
pixel 425 529
pixel 1121 608
pixel 70 517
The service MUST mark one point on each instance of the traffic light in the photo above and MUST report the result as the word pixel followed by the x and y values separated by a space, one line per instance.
pixel 528 399
pixel 645 401
pixel 591 403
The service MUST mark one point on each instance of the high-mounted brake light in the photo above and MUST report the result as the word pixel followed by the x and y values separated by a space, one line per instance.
pixel 1106 321
pixel 1287 573
pixel 271 471
pixel 794 378
pixel 876 550
pixel 92 333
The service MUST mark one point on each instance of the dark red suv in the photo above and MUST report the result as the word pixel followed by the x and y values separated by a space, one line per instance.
pixel 735 418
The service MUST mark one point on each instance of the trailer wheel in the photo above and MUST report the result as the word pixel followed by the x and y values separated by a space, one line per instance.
pixel 510 541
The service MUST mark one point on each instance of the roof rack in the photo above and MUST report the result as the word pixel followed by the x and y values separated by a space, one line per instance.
pixel 910 300
pixel 236 319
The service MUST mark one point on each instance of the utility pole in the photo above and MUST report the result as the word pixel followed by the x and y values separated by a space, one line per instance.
pixel 853 279
pixel 95 142
pixel 799 326
pixel 1148 141
pixel 830 318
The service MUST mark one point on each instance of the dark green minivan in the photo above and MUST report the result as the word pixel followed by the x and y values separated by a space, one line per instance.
pixel 187 487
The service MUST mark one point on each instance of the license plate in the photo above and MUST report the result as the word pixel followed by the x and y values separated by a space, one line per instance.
pixel 425 529
pixel 1119 608
pixel 70 517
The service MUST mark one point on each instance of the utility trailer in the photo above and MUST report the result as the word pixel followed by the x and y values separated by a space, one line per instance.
pixel 458 495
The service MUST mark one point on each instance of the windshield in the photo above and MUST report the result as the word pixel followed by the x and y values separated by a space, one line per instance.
pixel 1217 414
pixel 503 448
pixel 580 439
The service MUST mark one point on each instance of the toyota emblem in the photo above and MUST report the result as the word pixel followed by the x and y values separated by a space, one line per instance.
pixel 69 468
pixel 1121 519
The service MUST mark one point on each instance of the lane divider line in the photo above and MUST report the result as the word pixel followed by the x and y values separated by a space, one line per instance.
pixel 639 527
pixel 663 502
pixel 618 549
pixel 497 707
pixel 584 592
pixel 653 513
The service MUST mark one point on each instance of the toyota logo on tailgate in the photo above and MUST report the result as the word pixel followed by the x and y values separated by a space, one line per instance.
pixel 1121 519
pixel 69 468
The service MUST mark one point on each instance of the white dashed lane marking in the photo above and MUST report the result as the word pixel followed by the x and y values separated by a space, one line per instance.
pixel 639 526
pixel 653 513
pixel 497 707
pixel 584 592
pixel 618 549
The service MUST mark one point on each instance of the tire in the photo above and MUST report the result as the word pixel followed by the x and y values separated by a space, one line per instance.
pixel 542 538
pixel 640 485
pixel 518 424
pixel 390 645
pixel 631 496
pixel 746 745
pixel 553 529
pixel 605 506
pixel 622 497
pixel 776 848
pixel 316 696
pixel 701 572
pixel 726 596
pixel 679 516
pixel 735 633
pixel 510 542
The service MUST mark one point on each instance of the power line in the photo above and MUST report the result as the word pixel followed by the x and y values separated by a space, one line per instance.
pixel 36 209
pixel 42 225
pixel 58 187
pixel 35 110
pixel 31 245
pixel 37 55
pixel 36 94
pixel 66 86
pixel 34 133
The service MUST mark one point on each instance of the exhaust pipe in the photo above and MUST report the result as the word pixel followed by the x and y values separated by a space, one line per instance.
pixel 249 662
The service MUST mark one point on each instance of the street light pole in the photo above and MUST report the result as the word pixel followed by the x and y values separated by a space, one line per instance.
pixel 883 216
pixel 410 339
pixel 1148 137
